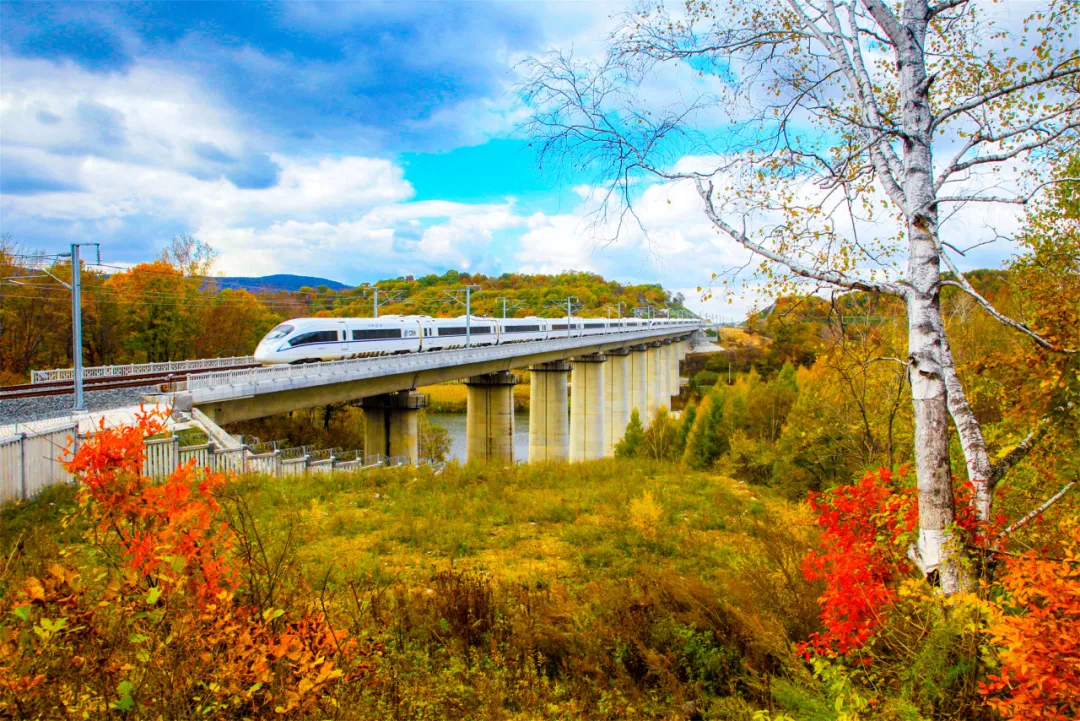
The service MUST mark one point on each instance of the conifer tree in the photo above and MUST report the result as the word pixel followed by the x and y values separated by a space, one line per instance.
pixel 632 439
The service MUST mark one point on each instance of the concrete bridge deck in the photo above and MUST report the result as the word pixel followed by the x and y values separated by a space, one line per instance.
pixel 243 394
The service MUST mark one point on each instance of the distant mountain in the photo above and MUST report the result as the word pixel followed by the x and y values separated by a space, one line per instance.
pixel 279 282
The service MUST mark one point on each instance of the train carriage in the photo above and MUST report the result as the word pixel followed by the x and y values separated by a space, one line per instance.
pixel 307 340
pixel 447 333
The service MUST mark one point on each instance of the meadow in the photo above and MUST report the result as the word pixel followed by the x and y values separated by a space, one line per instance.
pixel 603 590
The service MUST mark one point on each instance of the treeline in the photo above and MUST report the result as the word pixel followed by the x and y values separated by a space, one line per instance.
pixel 517 294
pixel 171 308
pixel 814 391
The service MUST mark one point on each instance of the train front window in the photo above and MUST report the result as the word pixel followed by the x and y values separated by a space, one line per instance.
pixel 280 332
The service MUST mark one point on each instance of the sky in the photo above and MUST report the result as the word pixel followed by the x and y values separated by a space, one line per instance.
pixel 351 141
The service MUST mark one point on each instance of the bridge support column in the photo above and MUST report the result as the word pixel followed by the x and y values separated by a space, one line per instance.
pixel 654 381
pixel 489 422
pixel 391 425
pixel 639 380
pixel 673 368
pixel 549 419
pixel 587 408
pixel 617 400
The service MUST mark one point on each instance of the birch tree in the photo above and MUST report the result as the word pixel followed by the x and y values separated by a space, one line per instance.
pixel 833 139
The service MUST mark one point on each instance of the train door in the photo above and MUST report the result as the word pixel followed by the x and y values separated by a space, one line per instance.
pixel 343 332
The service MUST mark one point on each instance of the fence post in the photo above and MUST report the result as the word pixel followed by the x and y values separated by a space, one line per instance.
pixel 211 459
pixel 22 465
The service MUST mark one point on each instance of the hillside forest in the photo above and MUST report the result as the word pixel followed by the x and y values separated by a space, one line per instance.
pixel 172 309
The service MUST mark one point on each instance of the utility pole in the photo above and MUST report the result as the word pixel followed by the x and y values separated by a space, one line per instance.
pixel 468 310
pixel 390 296
pixel 76 325
pixel 76 320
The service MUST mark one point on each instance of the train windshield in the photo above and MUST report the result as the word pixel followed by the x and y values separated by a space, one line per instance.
pixel 280 332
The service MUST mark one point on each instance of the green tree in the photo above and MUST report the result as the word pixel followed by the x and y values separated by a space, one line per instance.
pixel 632 439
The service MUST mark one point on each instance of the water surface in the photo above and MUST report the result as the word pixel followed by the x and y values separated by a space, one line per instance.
pixel 455 424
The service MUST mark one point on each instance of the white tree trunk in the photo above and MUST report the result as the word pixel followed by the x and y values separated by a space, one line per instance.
pixel 925 340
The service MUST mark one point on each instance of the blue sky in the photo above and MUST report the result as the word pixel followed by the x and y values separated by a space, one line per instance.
pixel 352 141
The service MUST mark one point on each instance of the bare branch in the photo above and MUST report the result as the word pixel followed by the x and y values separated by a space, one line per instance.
pixel 1064 69
pixel 1038 511
pixel 962 283
pixel 832 277
pixel 1022 449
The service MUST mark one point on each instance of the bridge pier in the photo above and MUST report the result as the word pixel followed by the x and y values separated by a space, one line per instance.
pixel 639 380
pixel 489 423
pixel 675 359
pixel 391 425
pixel 549 420
pixel 673 371
pixel 617 400
pixel 654 381
pixel 587 408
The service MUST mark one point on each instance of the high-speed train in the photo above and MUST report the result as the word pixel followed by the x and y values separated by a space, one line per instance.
pixel 307 340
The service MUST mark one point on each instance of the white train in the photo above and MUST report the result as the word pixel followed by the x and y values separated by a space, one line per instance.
pixel 306 340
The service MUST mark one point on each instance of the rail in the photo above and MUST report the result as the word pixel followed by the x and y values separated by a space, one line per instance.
pixel 361 368
pixel 134 369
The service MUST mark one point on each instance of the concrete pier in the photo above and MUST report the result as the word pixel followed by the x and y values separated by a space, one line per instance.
pixel 549 412
pixel 639 380
pixel 654 382
pixel 587 408
pixel 489 423
pixel 617 402
pixel 673 368
pixel 391 425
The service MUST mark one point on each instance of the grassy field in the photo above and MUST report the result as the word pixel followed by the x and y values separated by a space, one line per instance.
pixel 601 590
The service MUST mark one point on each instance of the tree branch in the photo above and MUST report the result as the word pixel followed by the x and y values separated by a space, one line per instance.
pixel 1021 450
pixel 962 283
pixel 1062 70
pixel 1038 511
pixel 832 277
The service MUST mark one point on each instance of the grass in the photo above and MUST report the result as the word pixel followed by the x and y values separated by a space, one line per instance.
pixel 610 589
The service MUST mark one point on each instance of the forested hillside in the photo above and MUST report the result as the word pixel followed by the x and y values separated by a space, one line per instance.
pixel 171 309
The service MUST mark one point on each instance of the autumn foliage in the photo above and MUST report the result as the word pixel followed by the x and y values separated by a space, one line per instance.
pixel 169 631
pixel 1038 635
pixel 860 557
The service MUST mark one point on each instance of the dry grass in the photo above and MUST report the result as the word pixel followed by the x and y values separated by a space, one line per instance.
pixel 613 589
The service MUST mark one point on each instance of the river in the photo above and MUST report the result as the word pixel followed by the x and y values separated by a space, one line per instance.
pixel 455 424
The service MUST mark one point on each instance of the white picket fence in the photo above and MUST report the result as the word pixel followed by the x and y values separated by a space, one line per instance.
pixel 30 461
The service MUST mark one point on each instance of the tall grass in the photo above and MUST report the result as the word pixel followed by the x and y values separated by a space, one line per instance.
pixel 611 589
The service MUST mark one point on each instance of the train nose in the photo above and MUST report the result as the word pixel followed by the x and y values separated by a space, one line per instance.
pixel 262 354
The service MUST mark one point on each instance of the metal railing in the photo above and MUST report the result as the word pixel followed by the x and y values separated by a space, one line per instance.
pixel 134 369
pixel 360 368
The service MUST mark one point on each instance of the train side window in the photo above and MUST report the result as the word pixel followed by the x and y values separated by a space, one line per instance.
pixel 318 336
pixel 376 333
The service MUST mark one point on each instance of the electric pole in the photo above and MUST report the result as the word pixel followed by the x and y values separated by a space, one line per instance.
pixel 468 310
pixel 76 321
pixel 390 296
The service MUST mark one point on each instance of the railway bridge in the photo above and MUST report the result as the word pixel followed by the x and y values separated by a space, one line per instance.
pixel 610 375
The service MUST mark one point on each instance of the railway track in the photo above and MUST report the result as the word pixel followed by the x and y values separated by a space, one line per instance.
pixel 55 388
